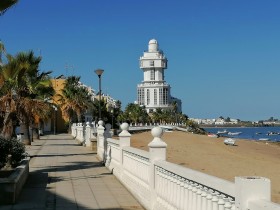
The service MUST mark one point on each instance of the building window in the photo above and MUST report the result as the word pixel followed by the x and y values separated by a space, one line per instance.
pixel 165 96
pixel 152 74
pixel 155 96
pixel 160 96
pixel 151 63
pixel 148 96
pixel 140 96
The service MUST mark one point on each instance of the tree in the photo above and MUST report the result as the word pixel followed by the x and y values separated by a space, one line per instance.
pixel 6 4
pixel 227 119
pixel 74 100
pixel 21 93
pixel 136 113
pixel 157 115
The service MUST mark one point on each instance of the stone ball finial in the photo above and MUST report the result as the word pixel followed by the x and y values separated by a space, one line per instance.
pixel 100 122
pixel 157 141
pixel 124 126
pixel 157 132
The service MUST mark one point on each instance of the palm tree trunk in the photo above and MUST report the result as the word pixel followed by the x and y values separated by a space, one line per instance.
pixel 36 133
pixel 25 137
pixel 7 123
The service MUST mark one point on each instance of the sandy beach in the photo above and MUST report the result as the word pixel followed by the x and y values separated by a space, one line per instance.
pixel 212 156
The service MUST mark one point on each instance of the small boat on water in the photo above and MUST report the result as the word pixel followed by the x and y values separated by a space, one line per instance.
pixel 271 133
pixel 212 135
pixel 263 139
pixel 234 133
pixel 258 133
pixel 229 141
pixel 224 132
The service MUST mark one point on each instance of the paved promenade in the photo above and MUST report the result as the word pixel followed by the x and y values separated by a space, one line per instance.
pixel 64 175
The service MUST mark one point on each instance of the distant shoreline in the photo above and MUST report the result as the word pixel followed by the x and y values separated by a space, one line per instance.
pixel 234 126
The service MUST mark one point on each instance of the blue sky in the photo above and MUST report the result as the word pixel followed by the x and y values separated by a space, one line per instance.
pixel 223 54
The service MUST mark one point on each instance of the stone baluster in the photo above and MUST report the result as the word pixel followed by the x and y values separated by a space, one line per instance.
pixel 174 190
pixel 209 199
pixel 93 138
pixel 194 196
pixel 158 182
pixel 214 201
pixel 87 136
pixel 221 202
pixel 177 191
pixel 190 196
pixel 168 193
pixel 186 194
pixel 227 204
pixel 100 140
pixel 164 189
pixel 232 205
pixel 169 188
pixel 199 198
pixel 182 193
pixel 203 198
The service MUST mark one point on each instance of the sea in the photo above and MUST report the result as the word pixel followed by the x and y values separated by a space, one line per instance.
pixel 250 133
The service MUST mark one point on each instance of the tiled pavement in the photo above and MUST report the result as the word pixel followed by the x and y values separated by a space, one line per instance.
pixel 64 175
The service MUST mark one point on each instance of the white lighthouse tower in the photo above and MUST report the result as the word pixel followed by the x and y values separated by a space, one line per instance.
pixel 154 92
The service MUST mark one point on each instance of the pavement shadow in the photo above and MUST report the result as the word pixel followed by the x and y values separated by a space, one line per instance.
pixel 70 167
pixel 61 155
pixel 39 193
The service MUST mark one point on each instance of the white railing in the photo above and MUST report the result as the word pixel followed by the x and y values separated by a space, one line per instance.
pixel 182 188
pixel 160 185
pixel 83 133
pixel 135 175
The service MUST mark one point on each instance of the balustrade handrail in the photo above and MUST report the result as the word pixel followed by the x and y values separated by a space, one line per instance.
pixel 215 183
pixel 113 141
pixel 159 184
pixel 138 152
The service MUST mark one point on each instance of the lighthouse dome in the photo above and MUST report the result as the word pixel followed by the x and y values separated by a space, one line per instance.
pixel 153 45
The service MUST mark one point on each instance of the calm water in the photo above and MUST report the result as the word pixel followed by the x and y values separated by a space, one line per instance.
pixel 254 133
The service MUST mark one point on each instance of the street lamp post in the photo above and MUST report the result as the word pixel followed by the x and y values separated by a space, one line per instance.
pixel 54 119
pixel 112 112
pixel 99 72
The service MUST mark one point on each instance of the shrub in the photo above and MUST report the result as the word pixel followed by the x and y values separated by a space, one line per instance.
pixel 11 147
pixel 3 151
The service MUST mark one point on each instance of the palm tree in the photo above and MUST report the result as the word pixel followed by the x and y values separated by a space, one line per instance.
pixel 175 110
pixel 6 4
pixel 157 115
pixel 40 88
pixel 136 113
pixel 74 99
pixel 2 52
pixel 21 92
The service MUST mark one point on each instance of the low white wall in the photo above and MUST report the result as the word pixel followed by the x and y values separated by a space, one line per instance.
pixel 159 185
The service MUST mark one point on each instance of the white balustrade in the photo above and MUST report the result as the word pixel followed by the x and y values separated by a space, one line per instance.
pixel 160 185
